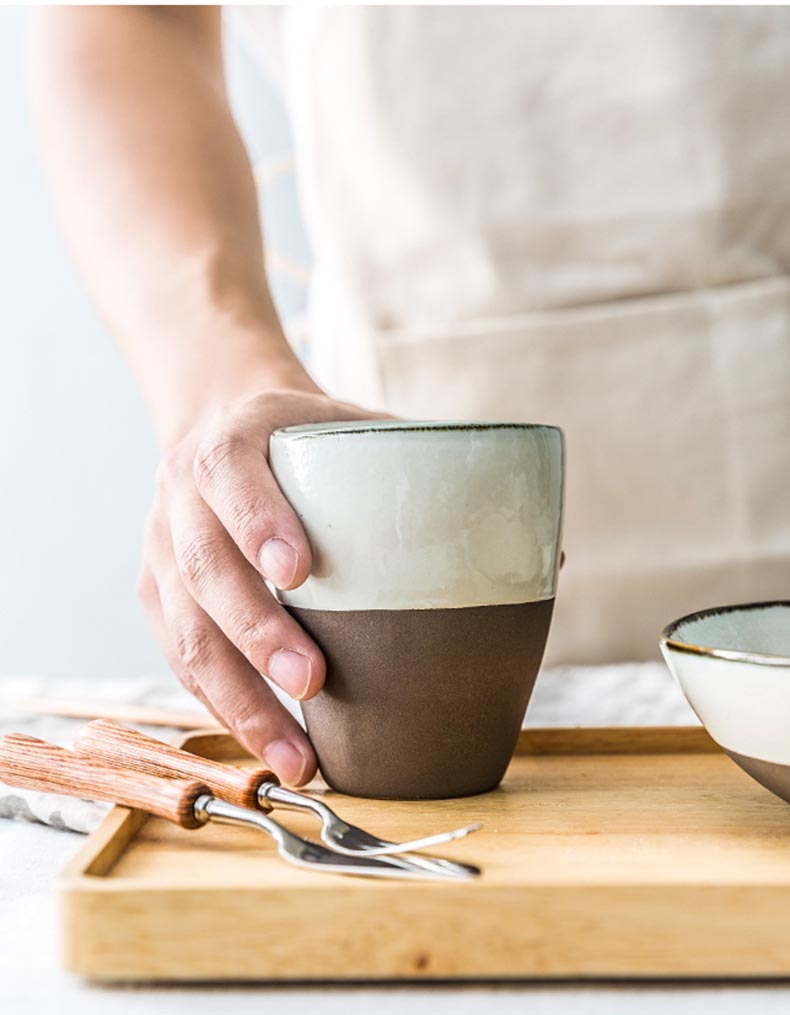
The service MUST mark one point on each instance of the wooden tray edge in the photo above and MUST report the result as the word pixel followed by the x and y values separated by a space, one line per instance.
pixel 616 740
pixel 103 846
pixel 220 745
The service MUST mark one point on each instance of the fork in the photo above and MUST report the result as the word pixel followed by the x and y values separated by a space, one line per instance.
pixel 30 763
pixel 111 743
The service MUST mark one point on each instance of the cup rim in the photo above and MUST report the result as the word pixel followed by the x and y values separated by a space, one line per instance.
pixel 356 427
pixel 732 655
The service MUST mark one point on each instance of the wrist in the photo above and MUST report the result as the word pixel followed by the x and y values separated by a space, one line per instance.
pixel 228 373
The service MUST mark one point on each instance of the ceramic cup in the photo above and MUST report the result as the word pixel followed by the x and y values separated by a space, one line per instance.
pixel 733 664
pixel 435 557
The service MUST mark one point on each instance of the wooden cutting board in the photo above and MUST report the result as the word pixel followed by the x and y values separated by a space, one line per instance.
pixel 609 853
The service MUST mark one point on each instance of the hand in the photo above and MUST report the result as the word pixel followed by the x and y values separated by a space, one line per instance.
pixel 218 523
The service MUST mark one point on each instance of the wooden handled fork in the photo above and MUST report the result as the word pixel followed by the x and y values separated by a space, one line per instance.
pixel 33 764
pixel 113 744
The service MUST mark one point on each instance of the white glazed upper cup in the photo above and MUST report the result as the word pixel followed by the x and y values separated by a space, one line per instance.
pixel 422 515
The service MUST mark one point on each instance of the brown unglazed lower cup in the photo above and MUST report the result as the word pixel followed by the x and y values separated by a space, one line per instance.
pixel 422 704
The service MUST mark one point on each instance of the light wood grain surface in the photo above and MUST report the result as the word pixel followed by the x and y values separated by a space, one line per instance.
pixel 600 857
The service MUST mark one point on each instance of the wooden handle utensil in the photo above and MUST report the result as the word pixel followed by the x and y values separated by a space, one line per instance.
pixel 109 743
pixel 30 763
pixel 34 764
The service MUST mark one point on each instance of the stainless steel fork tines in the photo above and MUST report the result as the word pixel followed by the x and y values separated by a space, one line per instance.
pixel 347 838
pixel 304 853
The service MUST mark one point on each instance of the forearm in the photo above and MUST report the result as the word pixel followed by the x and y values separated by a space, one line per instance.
pixel 158 201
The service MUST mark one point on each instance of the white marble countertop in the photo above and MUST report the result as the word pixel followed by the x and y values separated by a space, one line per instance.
pixel 31 855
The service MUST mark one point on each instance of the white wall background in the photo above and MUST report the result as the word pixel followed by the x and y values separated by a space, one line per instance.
pixel 77 453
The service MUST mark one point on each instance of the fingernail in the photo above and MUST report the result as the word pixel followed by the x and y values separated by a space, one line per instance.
pixel 286 760
pixel 291 671
pixel 279 561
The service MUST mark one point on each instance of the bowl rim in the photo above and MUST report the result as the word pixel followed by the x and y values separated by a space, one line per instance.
pixel 734 655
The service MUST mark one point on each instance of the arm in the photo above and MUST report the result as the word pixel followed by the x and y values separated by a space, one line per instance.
pixel 158 201
pixel 157 196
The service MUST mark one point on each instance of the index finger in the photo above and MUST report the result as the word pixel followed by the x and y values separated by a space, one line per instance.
pixel 233 477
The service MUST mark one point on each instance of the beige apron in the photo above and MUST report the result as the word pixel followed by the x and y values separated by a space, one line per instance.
pixel 577 216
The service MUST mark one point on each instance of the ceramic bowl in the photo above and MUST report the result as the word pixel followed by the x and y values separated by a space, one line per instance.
pixel 733 664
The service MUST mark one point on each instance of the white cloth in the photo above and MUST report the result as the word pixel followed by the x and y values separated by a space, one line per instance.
pixel 577 216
